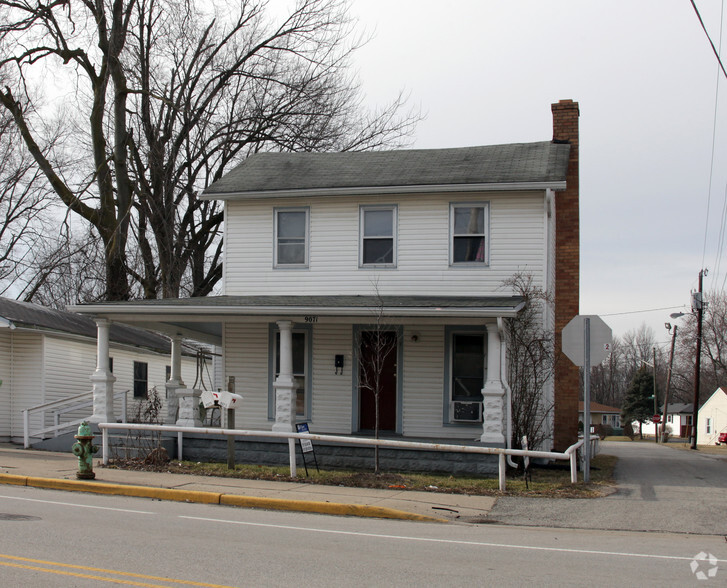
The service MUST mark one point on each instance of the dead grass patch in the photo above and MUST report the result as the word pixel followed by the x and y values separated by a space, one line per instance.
pixel 552 480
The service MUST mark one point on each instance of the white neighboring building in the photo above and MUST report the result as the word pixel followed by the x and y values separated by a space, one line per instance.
pixel 48 355
pixel 678 421
pixel 712 418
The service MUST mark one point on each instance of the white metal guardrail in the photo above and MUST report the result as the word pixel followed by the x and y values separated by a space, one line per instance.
pixel 570 454
pixel 59 408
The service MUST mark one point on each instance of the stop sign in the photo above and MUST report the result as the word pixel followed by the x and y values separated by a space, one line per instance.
pixel 656 418
pixel 574 344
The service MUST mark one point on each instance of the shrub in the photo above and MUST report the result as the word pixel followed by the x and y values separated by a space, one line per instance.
pixel 603 431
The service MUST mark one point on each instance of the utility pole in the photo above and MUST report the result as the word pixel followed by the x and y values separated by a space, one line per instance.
pixel 698 304
pixel 668 382
pixel 656 400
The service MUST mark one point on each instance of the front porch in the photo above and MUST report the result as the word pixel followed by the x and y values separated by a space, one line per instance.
pixel 298 359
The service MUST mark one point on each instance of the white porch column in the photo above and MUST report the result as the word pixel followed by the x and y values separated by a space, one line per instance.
pixel 102 379
pixel 188 399
pixel 284 384
pixel 493 394
pixel 175 381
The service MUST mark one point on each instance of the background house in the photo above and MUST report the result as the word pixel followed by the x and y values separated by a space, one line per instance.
pixel 678 421
pixel 712 418
pixel 601 414
pixel 48 355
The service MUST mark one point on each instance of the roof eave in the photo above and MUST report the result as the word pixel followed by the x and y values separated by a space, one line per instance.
pixel 205 312
pixel 386 190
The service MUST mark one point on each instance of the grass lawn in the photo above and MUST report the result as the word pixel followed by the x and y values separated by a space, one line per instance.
pixel 552 480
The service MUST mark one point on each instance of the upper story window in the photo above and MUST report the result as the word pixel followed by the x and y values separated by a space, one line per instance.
pixel 468 230
pixel 378 236
pixel 291 237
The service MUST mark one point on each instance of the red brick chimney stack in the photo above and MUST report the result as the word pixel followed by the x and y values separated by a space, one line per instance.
pixel 567 276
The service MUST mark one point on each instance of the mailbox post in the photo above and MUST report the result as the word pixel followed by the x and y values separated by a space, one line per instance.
pixel 228 401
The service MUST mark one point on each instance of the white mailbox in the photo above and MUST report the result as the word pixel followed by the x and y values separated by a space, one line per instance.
pixel 229 399
pixel 221 398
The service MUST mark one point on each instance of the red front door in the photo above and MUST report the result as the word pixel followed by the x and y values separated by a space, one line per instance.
pixel 377 371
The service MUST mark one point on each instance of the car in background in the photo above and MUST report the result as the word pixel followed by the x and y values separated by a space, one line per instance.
pixel 722 438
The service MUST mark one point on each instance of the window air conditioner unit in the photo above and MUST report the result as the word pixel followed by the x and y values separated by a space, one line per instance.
pixel 466 412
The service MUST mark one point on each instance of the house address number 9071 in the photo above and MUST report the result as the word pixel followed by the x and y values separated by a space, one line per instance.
pixel 311 319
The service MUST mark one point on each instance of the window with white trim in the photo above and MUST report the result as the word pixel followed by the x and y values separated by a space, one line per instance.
pixel 467 366
pixel 291 237
pixel 301 344
pixel 468 224
pixel 377 232
pixel 141 379
pixel 708 429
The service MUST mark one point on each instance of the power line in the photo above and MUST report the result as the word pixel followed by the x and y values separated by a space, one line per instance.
pixel 714 49
pixel 640 311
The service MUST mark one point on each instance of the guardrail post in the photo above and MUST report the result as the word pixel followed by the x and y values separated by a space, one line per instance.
pixel 501 471
pixel 105 445
pixel 26 429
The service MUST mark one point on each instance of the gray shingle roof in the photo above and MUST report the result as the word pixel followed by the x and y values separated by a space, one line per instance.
pixel 33 316
pixel 543 162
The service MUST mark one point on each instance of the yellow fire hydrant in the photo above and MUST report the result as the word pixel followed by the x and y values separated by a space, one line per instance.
pixel 84 449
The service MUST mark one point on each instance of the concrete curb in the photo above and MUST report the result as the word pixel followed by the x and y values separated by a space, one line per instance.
pixel 330 508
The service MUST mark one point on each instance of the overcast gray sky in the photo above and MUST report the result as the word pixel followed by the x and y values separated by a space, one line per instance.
pixel 486 71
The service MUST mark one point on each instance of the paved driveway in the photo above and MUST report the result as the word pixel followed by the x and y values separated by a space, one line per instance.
pixel 659 489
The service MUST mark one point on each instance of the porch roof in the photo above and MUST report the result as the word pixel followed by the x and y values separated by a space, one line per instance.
pixel 202 317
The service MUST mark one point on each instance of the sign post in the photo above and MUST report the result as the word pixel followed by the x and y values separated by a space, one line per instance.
pixel 586 339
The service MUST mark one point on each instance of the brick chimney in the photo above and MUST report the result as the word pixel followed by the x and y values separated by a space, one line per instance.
pixel 567 276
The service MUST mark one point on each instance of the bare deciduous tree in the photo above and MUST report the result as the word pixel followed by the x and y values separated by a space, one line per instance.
pixel 377 345
pixel 24 210
pixel 162 98
pixel 530 364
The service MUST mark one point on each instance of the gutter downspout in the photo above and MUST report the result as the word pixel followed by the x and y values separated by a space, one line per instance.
pixel 508 391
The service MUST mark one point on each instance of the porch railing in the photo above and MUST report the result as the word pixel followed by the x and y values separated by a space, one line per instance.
pixel 570 454
pixel 59 408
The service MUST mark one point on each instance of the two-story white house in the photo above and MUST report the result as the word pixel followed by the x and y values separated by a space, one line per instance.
pixel 322 249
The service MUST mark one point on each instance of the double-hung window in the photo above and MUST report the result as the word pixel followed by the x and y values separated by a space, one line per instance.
pixel 141 379
pixel 466 366
pixel 377 231
pixel 301 371
pixel 291 237
pixel 468 227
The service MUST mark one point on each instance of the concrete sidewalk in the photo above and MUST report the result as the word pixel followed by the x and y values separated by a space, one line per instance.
pixel 46 469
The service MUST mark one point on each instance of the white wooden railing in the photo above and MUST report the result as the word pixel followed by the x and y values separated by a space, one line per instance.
pixel 570 454
pixel 58 409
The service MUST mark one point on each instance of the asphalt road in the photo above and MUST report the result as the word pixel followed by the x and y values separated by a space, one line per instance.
pixel 51 538
pixel 659 489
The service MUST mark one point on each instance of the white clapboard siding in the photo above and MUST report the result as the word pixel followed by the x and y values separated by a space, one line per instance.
pixel 5 383
pixel 332 393
pixel 27 388
pixel 424 388
pixel 49 367
pixel 123 360
pixel 517 243
pixel 246 358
